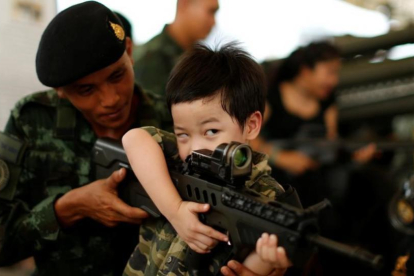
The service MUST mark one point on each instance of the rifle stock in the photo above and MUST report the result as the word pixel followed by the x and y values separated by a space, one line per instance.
pixel 244 214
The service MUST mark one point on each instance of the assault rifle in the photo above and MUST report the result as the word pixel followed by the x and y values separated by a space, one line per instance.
pixel 218 178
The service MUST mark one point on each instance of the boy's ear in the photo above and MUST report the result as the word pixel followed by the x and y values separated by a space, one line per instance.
pixel 253 125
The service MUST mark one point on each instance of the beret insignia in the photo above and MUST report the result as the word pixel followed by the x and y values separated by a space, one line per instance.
pixel 118 30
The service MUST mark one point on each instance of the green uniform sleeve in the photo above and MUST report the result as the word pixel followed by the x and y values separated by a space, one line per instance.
pixel 167 142
pixel 25 230
pixel 24 225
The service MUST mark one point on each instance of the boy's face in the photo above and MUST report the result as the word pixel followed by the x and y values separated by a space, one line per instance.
pixel 203 124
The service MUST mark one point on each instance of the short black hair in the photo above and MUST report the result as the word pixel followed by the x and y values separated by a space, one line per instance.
pixel 228 71
pixel 308 56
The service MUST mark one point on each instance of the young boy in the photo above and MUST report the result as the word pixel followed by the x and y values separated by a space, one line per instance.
pixel 214 97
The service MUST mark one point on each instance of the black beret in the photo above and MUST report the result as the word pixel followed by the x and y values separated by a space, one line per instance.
pixel 80 40
pixel 125 22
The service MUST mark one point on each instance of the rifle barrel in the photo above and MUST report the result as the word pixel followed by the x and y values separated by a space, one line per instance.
pixel 375 261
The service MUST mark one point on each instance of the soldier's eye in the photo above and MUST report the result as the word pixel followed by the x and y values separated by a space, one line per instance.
pixel 85 90
pixel 117 75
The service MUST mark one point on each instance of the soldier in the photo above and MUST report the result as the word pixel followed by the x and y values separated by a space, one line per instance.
pixel 155 59
pixel 51 207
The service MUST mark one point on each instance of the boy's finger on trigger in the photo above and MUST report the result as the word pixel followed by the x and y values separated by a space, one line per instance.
pixel 212 233
pixel 205 240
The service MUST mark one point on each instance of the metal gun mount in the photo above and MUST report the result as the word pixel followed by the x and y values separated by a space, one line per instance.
pixel 231 163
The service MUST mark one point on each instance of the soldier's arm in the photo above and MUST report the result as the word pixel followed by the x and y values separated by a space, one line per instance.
pixel 33 210
pixel 25 226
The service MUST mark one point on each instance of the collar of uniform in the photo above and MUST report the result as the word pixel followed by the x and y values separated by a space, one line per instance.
pixel 65 120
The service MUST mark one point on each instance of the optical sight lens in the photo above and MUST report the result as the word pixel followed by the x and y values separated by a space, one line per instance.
pixel 240 157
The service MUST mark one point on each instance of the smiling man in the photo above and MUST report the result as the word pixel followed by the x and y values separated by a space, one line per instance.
pixel 51 207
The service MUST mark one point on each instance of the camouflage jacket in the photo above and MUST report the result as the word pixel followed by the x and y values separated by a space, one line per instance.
pixel 160 250
pixel 57 159
pixel 154 61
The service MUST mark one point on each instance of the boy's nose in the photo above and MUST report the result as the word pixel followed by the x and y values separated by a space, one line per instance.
pixel 195 146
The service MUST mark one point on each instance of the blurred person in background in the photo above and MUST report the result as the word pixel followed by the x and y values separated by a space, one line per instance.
pixel 154 60
pixel 301 105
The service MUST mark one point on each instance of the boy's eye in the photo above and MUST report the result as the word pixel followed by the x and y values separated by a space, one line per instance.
pixel 211 132
pixel 181 135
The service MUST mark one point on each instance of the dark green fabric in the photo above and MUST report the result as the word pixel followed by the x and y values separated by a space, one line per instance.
pixel 154 61
pixel 51 167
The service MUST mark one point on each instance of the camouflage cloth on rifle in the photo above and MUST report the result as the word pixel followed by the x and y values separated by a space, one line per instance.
pixel 154 61
pixel 58 158
pixel 161 251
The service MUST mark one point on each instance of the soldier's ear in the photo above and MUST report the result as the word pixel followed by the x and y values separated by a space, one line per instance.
pixel 60 93
pixel 128 48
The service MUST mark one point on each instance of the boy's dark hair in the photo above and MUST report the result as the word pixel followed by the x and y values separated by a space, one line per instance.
pixel 228 71
pixel 307 56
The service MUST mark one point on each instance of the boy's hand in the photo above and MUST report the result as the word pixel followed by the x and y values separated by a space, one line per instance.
pixel 235 268
pixel 199 237
pixel 269 252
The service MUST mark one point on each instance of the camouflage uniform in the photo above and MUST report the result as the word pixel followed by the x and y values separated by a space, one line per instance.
pixel 154 61
pixel 161 251
pixel 58 159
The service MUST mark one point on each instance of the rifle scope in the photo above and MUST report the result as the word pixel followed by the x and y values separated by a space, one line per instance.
pixel 229 162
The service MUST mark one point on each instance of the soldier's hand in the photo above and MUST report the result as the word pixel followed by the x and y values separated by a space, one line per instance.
pixel 98 200
pixel 199 237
